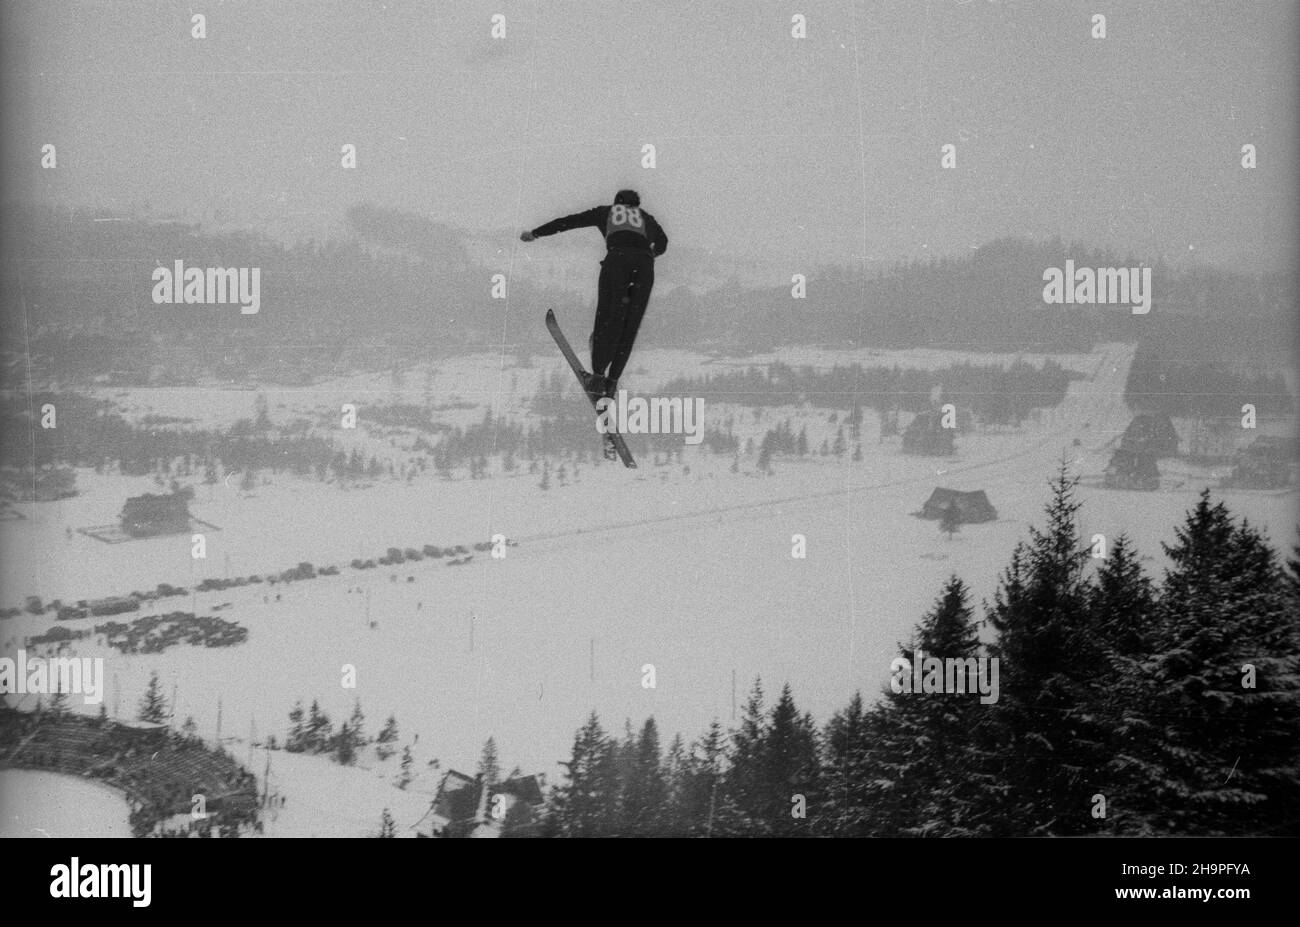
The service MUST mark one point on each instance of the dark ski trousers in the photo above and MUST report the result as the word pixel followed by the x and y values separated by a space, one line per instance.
pixel 626 278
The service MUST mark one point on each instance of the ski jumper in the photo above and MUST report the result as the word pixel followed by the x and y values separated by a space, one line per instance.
pixel 633 240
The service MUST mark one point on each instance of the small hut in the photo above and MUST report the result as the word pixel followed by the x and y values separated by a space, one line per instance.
pixel 972 507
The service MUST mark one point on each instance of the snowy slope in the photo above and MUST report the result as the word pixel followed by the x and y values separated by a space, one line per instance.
pixel 690 573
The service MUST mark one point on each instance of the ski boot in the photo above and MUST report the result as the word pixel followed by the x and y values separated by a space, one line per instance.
pixel 598 386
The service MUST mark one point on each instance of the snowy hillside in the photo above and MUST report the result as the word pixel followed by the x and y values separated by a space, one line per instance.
pixel 690 572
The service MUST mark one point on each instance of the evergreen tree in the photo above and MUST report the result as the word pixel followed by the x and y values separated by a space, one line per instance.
pixel 791 768
pixel 295 742
pixel 345 745
pixel 675 768
pixel 356 464
pixel 1125 622
pixel 356 725
pixel 408 762
pixel 1123 603
pixel 153 707
pixel 319 730
pixel 702 804
pixel 645 791
pixel 586 804
pixel 849 772
pixel 386 826
pixel 1224 686
pixel 744 777
pixel 624 771
pixel 389 732
pixel 927 774
pixel 190 730
pixel 1052 669
pixel 1293 576
pixel 489 765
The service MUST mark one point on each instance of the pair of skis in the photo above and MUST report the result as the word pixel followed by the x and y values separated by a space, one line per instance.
pixel 580 372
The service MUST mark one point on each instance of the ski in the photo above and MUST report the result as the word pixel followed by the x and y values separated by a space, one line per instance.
pixel 581 373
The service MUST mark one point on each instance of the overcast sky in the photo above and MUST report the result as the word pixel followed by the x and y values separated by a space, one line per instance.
pixel 810 150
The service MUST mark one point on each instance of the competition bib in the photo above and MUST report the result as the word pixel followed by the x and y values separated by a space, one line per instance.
pixel 625 219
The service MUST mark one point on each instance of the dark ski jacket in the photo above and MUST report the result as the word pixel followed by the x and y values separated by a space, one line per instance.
pixel 628 227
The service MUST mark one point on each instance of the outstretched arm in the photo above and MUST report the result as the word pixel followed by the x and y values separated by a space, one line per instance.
pixel 578 220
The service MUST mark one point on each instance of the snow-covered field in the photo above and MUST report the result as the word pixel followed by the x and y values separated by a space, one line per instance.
pixel 46 804
pixel 691 573
pixel 324 799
